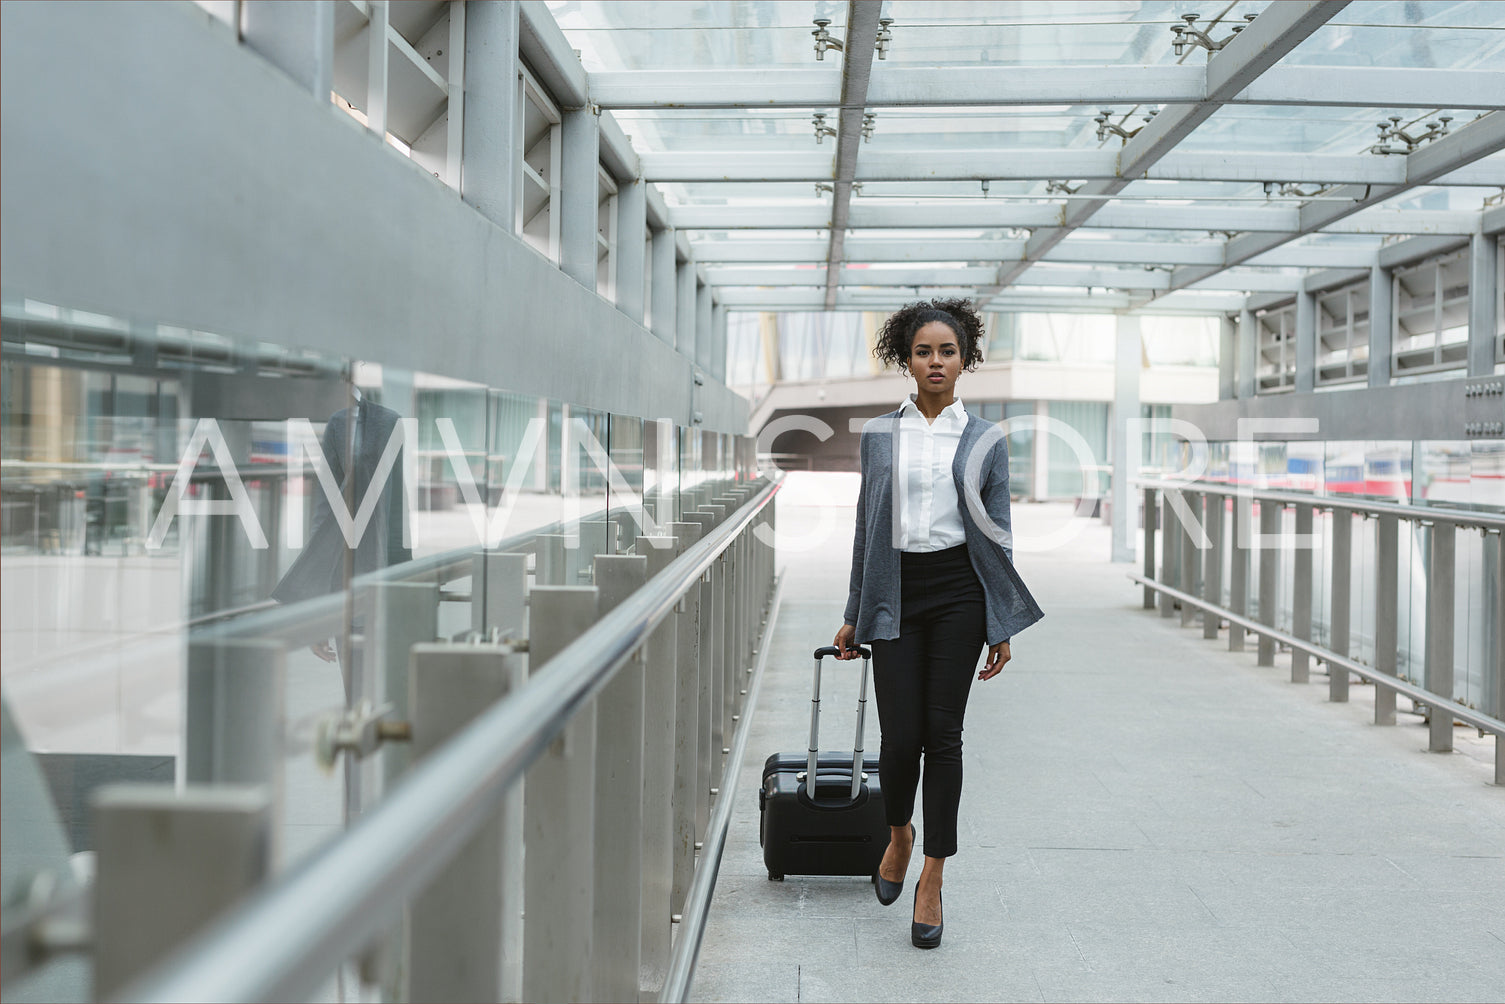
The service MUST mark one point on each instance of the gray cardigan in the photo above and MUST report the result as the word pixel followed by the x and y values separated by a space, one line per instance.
pixel 981 470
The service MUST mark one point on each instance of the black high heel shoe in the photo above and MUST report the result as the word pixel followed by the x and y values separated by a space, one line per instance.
pixel 925 935
pixel 890 891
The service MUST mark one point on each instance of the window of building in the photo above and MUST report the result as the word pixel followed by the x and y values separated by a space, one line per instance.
pixel 1431 316
pixel 1343 334
pixel 1275 369
pixel 606 235
pixel 537 208
pixel 393 67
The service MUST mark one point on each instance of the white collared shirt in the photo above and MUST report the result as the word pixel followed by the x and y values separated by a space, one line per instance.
pixel 925 504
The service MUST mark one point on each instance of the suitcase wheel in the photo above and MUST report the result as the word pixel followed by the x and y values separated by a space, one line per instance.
pixel 775 877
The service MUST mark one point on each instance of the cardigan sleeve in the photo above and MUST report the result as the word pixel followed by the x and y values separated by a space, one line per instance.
pixel 996 494
pixel 859 545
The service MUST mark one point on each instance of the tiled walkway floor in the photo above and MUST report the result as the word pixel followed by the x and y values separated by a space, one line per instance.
pixel 1146 817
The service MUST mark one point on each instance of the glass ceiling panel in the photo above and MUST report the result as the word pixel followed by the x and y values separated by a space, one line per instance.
pixel 1448 199
pixel 1295 129
pixel 981 128
pixel 653 35
pixel 1455 36
pixel 1040 33
pixel 722 130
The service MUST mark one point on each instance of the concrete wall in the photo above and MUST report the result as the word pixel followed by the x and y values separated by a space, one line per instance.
pixel 152 168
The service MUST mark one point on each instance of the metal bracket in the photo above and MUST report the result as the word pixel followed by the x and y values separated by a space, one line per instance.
pixel 358 731
pixel 52 919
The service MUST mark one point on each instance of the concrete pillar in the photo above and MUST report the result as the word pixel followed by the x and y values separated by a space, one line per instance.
pixel 490 171
pixel 703 350
pixel 579 191
pixel 665 285
pixel 1484 253
pixel 1381 323
pixel 718 342
pixel 685 309
pixel 1306 342
pixel 1248 352
pixel 1227 338
pixel 378 59
pixel 632 223
pixel 1041 465
pixel 297 38
pixel 1126 360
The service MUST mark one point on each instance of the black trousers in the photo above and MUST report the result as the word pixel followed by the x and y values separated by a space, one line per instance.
pixel 921 680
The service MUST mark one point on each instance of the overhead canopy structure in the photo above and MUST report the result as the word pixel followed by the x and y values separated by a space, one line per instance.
pixel 1048 155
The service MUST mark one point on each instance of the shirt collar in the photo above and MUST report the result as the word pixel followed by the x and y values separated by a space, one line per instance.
pixel 956 412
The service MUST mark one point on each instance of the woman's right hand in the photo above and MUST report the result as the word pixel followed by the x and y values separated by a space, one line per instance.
pixel 845 641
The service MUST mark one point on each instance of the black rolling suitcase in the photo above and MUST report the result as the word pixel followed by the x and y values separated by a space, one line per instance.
pixel 822 813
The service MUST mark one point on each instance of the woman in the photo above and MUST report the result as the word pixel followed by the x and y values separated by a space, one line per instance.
pixel 933 581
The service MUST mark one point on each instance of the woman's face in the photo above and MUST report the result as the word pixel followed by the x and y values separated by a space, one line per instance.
pixel 935 358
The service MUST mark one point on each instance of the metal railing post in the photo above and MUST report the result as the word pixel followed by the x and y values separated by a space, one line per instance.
pixel 1269 568
pixel 688 739
pixel 706 740
pixel 1386 603
pixel 1340 602
pixel 559 820
pixel 1189 551
pixel 1238 568
pixel 1301 594
pixel 1439 658
pixel 1212 564
pixel 167 862
pixel 597 536
pixel 659 724
pixel 403 614
pixel 551 566
pixel 1494 578
pixel 458 948
pixel 499 592
pixel 1150 515
pixel 234 731
pixel 1169 566
pixel 617 948
pixel 715 659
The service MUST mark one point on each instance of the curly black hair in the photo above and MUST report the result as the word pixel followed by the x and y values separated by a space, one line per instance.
pixel 897 334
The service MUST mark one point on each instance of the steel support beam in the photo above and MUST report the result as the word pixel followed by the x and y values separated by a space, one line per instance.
pixel 1111 278
pixel 1077 251
pixel 1277 31
pixel 856 69
pixel 962 86
pixel 972 215
pixel 1252 166
pixel 1478 139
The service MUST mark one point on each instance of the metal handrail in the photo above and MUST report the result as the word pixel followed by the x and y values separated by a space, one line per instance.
pixel 287 938
pixel 1458 517
pixel 1462 712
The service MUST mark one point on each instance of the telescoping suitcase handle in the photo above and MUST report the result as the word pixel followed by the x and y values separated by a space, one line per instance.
pixel 810 765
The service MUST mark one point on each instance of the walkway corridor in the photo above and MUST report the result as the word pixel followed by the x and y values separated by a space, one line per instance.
pixel 1146 817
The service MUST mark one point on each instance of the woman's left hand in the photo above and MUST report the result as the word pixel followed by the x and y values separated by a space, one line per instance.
pixel 997 656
